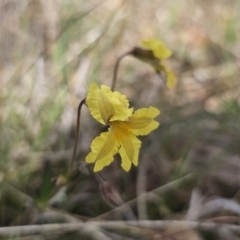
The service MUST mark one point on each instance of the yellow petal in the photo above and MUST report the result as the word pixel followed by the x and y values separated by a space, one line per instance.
pixel 129 151
pixel 103 149
pixel 141 122
pixel 98 104
pixel 105 106
pixel 120 104
pixel 123 99
pixel 171 79
pixel 160 51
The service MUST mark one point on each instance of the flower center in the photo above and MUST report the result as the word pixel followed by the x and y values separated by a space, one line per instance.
pixel 120 130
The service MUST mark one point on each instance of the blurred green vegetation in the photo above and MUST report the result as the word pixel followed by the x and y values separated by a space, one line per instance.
pixel 50 51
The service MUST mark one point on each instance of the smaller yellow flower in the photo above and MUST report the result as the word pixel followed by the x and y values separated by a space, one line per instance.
pixel 159 50
pixel 154 54
pixel 112 108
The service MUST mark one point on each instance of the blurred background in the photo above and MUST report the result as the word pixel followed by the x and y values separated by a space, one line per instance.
pixel 189 168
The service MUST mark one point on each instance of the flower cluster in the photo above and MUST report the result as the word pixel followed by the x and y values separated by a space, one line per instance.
pixel 112 109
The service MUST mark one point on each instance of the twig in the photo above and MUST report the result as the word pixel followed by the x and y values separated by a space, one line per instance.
pixel 51 215
pixel 77 136
pixel 116 67
pixel 112 225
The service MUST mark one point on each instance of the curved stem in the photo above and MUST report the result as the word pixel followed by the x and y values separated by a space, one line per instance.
pixel 116 66
pixel 77 136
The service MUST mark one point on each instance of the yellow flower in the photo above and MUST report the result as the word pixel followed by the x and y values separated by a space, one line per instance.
pixel 112 108
pixel 153 55
pixel 160 51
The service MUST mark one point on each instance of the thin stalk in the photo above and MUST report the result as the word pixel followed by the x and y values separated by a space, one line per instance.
pixel 77 136
pixel 116 67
